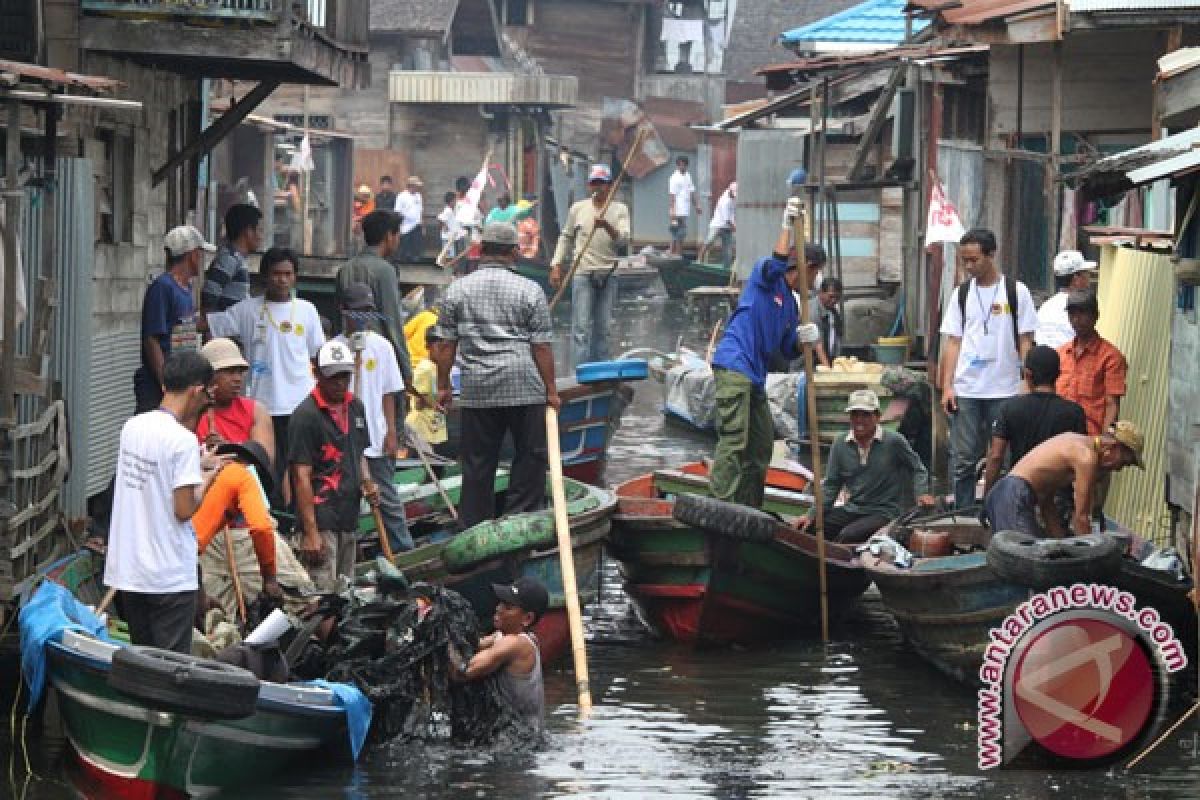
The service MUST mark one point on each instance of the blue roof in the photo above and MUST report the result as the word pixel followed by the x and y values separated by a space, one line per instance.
pixel 878 23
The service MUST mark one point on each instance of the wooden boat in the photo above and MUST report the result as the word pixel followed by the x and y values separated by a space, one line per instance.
pixel 132 750
pixel 701 587
pixel 590 511
pixel 1161 591
pixel 680 275
pixel 634 275
pixel 946 606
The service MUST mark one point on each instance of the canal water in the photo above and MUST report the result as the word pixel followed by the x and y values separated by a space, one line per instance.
pixel 861 717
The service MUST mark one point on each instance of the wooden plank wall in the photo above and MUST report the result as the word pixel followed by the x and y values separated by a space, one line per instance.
pixel 1107 84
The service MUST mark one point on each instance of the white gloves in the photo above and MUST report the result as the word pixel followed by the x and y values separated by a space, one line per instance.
pixel 808 334
pixel 791 213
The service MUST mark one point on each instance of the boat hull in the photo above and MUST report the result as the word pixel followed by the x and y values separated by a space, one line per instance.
pixel 679 275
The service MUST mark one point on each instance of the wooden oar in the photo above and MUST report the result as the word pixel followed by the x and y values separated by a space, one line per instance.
pixel 612 191
pixel 106 601
pixel 370 488
pixel 566 557
pixel 420 445
pixel 814 437
pixel 234 577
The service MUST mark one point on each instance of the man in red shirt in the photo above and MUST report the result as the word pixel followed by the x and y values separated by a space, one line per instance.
pixel 1093 370
pixel 232 418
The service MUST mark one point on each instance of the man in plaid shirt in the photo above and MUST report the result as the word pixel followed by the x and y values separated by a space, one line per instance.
pixel 498 324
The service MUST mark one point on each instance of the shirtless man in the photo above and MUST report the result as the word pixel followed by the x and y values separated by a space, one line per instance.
pixel 1069 459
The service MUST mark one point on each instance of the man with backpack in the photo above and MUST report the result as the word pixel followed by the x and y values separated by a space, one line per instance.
pixel 989 325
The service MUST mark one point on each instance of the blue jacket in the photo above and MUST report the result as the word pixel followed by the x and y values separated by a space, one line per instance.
pixel 763 323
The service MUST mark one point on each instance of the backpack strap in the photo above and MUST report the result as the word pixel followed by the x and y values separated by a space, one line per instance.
pixel 1010 290
pixel 963 289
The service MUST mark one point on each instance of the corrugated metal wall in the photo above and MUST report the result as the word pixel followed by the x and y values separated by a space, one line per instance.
pixel 1137 293
pixel 651 200
pixel 765 159
pixel 1183 417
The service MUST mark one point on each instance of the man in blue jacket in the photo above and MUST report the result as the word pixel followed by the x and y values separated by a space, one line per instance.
pixel 765 322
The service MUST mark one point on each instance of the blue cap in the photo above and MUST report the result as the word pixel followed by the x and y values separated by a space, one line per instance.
pixel 799 177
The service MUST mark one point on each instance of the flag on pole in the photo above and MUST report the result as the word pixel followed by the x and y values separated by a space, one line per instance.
pixel 302 159
pixel 943 224
pixel 467 209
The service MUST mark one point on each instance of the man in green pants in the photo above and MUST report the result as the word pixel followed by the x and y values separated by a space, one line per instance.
pixel 765 322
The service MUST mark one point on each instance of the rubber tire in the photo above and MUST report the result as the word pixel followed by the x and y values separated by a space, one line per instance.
pixel 169 681
pixel 1044 563
pixel 726 519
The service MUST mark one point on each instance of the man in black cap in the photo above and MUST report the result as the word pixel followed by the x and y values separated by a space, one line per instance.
pixel 1027 420
pixel 512 651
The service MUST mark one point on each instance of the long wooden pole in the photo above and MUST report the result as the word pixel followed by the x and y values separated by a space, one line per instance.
pixel 814 434
pixel 487 158
pixel 420 445
pixel 234 577
pixel 566 557
pixel 612 191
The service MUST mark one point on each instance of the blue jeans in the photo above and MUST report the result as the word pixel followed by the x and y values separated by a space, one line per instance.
pixel 383 472
pixel 591 316
pixel 970 435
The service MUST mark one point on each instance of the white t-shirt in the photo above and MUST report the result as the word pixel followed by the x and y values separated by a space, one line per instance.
pixel 1054 327
pixel 682 189
pixel 380 376
pixel 149 549
pixel 279 340
pixel 468 216
pixel 409 205
pixel 724 212
pixel 989 365
pixel 452 229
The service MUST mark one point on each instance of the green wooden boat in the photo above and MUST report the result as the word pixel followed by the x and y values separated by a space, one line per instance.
pixel 702 587
pixel 129 749
pixel 680 275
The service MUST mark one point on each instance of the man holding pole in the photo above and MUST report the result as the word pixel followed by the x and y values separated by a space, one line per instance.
pixel 595 228
pixel 765 321
pixel 498 323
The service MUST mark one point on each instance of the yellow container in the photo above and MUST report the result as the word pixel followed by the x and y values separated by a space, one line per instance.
pixel 892 349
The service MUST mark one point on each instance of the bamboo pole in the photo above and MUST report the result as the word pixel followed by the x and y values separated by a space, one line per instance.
pixel 234 577
pixel 421 446
pixel 814 437
pixel 612 191
pixel 566 557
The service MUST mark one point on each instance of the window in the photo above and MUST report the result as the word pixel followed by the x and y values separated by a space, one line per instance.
pixel 518 12
pixel 114 188
pixel 316 122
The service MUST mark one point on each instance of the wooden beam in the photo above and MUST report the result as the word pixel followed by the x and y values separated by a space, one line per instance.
pixel 1052 183
pixel 875 123
pixel 213 134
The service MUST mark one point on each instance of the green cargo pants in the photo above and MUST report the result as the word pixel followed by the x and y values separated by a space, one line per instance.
pixel 745 439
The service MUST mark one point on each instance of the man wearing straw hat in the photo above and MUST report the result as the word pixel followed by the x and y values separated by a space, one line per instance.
pixel 594 286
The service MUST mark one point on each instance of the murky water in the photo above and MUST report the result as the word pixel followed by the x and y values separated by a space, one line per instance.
pixel 862 717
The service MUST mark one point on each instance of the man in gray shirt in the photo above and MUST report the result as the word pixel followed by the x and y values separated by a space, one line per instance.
pixel 497 324
pixel 868 463
pixel 381 231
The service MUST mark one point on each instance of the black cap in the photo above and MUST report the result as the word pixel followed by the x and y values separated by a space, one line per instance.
pixel 527 594
pixel 252 453
pixel 1042 359
pixel 1083 300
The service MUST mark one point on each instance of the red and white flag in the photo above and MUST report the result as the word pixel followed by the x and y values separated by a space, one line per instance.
pixel 943 224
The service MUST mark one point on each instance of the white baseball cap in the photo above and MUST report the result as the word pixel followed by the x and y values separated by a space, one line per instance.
pixel 184 239
pixel 1068 262
pixel 335 357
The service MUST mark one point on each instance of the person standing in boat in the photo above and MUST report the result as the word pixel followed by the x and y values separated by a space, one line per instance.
pixel 1067 461
pixel 594 287
pixel 867 463
pixel 512 653
pixel 326 441
pixel 160 478
pixel 498 324
pixel 1027 420
pixel 723 226
pixel 765 323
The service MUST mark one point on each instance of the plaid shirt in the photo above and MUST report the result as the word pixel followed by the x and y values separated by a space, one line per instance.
pixel 496 316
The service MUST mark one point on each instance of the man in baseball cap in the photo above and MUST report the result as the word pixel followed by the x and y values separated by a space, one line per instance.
pixel 327 437
pixel 511 653
pixel 868 463
pixel 1071 272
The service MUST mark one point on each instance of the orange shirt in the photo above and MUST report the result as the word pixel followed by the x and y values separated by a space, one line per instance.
pixel 237 489
pixel 1097 373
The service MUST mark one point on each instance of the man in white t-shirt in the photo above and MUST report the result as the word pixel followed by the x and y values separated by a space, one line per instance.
pixel 681 201
pixel 985 345
pixel 280 335
pixel 377 381
pixel 410 205
pixel 723 226
pixel 160 478
pixel 1071 272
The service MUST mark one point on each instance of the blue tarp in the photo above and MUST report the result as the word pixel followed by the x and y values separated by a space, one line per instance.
pixel 50 611
pixel 358 712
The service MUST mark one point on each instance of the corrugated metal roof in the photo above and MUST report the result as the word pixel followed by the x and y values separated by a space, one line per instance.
pixel 875 23
pixel 404 86
pixel 882 58
pixel 1131 6
pixel 973 12
pixel 1171 155
pixel 56 77
pixel 1137 293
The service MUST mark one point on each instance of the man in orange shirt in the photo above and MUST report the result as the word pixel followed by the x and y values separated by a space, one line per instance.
pixel 1093 370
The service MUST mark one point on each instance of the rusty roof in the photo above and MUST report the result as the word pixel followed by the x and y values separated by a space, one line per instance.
pixel 12 71
pixel 976 12
pixel 879 58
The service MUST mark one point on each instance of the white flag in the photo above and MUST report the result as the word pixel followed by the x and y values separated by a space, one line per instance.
pixel 467 209
pixel 943 224
pixel 302 160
